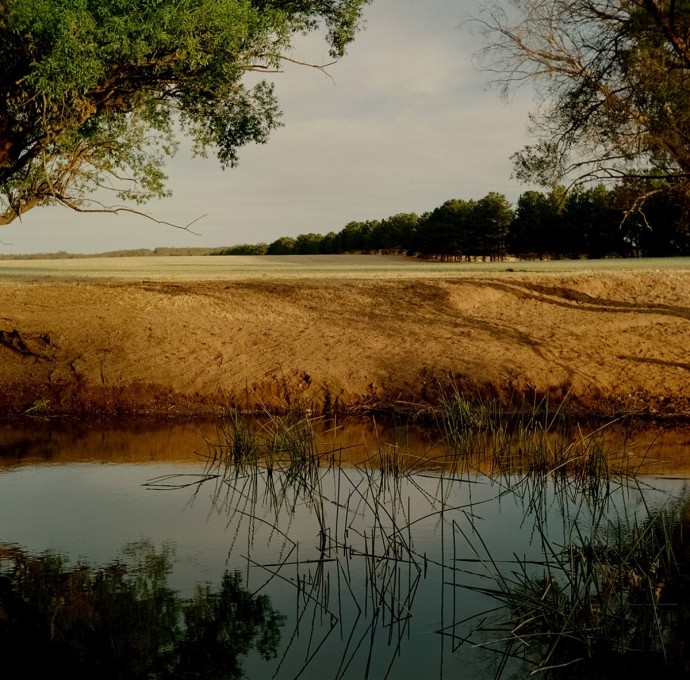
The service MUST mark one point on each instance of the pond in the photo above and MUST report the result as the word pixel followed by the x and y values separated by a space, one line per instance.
pixel 289 548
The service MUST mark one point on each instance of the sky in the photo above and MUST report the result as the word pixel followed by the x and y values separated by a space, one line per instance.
pixel 405 121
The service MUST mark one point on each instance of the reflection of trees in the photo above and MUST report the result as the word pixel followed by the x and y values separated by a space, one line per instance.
pixel 124 621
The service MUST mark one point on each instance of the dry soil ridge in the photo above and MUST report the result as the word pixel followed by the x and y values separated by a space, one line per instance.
pixel 615 342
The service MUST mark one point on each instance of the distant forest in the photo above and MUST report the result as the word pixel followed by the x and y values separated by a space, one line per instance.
pixel 136 252
pixel 587 223
pixel 595 222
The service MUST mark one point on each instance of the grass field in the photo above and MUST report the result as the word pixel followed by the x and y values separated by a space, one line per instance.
pixel 308 266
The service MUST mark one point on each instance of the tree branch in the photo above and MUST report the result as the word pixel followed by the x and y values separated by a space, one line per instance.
pixel 76 205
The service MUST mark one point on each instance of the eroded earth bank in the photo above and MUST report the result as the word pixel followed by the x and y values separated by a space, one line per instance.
pixel 615 343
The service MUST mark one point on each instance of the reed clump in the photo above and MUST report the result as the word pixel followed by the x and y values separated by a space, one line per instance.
pixel 238 444
pixel 534 440
pixel 596 601
pixel 459 418
pixel 598 590
pixel 468 421
pixel 241 444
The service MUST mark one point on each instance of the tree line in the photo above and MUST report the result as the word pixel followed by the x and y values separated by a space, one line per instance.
pixel 592 222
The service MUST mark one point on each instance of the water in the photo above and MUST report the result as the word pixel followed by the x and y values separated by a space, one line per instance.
pixel 124 553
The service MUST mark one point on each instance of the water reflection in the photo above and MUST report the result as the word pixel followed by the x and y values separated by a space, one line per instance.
pixel 378 552
pixel 123 620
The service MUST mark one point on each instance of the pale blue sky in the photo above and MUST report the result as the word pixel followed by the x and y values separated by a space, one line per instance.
pixel 406 122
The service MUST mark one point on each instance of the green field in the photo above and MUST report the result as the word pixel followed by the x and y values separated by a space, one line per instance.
pixel 307 266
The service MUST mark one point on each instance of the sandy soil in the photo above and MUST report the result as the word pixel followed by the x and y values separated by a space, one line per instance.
pixel 617 342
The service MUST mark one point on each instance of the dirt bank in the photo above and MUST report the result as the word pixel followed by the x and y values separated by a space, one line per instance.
pixel 615 342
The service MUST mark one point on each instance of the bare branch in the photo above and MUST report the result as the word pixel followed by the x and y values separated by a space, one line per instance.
pixel 612 82
pixel 77 206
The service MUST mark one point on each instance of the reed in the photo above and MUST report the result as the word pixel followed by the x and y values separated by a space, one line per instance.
pixel 475 424
pixel 597 591
pixel 595 601
pixel 459 418
pixel 237 444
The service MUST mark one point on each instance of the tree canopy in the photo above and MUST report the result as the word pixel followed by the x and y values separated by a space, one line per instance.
pixel 613 78
pixel 94 92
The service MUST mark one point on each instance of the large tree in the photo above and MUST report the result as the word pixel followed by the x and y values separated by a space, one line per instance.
pixel 613 82
pixel 93 93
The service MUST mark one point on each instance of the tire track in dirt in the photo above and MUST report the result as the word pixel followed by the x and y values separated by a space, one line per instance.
pixel 156 346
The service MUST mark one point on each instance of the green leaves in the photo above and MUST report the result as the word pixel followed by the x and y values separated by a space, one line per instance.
pixel 93 91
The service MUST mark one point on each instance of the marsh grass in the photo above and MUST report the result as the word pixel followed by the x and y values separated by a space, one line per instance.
pixel 459 417
pixel 475 424
pixel 290 443
pixel 584 458
pixel 533 441
pixel 594 601
pixel 237 444
pixel 359 514
pixel 596 592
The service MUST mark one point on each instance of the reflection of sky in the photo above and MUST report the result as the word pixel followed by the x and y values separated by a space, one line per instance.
pixel 405 124
pixel 91 511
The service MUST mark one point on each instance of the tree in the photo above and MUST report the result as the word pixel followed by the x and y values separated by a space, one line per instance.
pixel 591 226
pixel 661 228
pixel 329 244
pixel 613 83
pixel 308 244
pixel 285 245
pixel 93 92
pixel 534 229
pixel 245 249
pixel 447 232
pixel 395 234
pixel 491 218
pixel 355 237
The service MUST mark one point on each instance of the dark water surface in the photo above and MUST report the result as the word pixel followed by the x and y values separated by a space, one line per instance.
pixel 134 552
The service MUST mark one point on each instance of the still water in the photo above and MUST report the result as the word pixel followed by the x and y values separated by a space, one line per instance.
pixel 348 551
